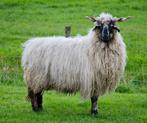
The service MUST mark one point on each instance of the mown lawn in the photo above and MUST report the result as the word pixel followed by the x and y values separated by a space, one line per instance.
pixel 58 108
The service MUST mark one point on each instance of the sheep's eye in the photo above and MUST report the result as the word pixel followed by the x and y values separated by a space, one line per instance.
pixel 111 25
pixel 100 26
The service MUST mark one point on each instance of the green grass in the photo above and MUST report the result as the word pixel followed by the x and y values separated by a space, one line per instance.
pixel 24 19
pixel 58 108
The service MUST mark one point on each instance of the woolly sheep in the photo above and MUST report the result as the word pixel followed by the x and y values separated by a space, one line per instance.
pixel 91 64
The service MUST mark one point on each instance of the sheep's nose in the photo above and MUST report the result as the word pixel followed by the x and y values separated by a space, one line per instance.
pixel 105 34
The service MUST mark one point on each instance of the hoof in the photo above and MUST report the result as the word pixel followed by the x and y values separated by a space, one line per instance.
pixel 40 108
pixel 37 109
pixel 94 113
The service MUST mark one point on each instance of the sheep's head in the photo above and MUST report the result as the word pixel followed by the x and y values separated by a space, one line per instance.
pixel 106 26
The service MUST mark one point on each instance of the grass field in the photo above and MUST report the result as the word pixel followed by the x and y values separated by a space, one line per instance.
pixel 59 108
pixel 24 19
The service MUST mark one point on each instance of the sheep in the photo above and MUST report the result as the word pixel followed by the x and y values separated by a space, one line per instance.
pixel 91 64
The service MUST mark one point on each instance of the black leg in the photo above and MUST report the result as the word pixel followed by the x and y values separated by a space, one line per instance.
pixel 94 110
pixel 34 100
pixel 39 100
pixel 35 103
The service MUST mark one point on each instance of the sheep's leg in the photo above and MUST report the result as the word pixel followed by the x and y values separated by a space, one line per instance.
pixel 35 103
pixel 94 110
pixel 33 98
pixel 39 100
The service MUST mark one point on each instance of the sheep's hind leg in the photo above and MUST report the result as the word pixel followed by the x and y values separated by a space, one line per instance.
pixel 94 110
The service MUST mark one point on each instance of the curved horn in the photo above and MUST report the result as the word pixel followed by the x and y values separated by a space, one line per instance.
pixel 121 19
pixel 93 19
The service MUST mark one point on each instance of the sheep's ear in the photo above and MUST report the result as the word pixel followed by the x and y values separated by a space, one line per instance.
pixel 122 19
pixel 93 19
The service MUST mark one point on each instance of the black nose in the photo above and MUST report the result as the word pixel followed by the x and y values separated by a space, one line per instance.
pixel 105 34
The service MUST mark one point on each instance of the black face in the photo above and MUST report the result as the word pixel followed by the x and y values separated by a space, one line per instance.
pixel 106 31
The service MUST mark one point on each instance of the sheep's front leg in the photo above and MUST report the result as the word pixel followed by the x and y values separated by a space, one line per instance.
pixel 94 110
pixel 39 100
pixel 36 100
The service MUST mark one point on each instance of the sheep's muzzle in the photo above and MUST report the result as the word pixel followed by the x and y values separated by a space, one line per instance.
pixel 105 35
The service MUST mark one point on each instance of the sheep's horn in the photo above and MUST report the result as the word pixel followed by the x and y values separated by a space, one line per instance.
pixel 121 19
pixel 93 19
